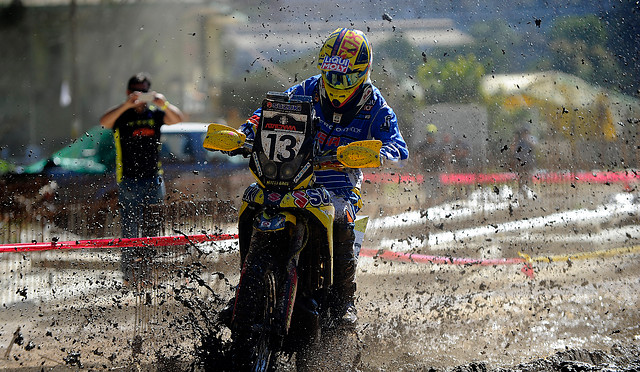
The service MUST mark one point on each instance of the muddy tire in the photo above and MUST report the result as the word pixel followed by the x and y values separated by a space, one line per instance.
pixel 255 309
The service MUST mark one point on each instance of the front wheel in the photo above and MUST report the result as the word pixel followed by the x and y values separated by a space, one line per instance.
pixel 253 321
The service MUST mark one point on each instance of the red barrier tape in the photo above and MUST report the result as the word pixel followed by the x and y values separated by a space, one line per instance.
pixel 393 177
pixel 551 177
pixel 527 269
pixel 421 258
pixel 506 177
pixel 476 178
pixel 192 239
pixel 159 241
pixel 591 177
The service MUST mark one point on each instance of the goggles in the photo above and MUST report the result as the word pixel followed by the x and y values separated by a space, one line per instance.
pixel 340 80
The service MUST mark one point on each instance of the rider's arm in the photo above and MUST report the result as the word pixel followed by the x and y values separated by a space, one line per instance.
pixel 384 127
pixel 250 126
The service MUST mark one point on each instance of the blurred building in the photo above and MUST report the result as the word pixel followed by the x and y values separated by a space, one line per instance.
pixel 66 61
pixel 580 124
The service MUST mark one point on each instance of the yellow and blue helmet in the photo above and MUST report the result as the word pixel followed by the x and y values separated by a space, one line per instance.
pixel 345 64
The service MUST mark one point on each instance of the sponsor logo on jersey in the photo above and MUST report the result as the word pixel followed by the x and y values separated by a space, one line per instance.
pixel 144 132
pixel 386 126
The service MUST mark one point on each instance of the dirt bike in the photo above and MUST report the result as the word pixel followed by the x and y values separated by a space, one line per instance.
pixel 285 231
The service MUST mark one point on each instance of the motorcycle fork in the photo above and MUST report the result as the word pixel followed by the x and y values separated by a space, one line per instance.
pixel 288 295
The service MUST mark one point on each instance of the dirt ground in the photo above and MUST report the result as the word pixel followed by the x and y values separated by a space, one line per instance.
pixel 576 314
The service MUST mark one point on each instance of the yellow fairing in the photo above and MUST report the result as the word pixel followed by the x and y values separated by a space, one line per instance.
pixel 223 138
pixel 255 176
pixel 316 201
pixel 252 194
pixel 304 183
pixel 360 154
pixel 310 199
pixel 325 213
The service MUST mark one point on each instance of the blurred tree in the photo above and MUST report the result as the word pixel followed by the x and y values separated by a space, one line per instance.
pixel 455 80
pixel 504 121
pixel 496 45
pixel 395 55
pixel 623 26
pixel 394 64
pixel 579 47
pixel 244 93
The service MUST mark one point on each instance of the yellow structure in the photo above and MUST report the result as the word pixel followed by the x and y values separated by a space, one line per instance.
pixel 569 105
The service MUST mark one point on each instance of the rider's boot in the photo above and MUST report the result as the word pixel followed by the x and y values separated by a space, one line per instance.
pixel 344 275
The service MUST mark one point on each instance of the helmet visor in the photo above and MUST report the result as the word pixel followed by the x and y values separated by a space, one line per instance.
pixel 340 80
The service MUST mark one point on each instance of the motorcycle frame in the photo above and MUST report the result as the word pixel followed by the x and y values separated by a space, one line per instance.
pixel 308 216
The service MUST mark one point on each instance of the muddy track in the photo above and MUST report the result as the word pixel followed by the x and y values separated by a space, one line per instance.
pixel 574 315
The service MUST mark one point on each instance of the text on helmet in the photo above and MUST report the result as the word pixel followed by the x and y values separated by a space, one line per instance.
pixel 335 63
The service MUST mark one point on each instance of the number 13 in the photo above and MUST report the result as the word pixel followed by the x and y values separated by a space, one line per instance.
pixel 284 145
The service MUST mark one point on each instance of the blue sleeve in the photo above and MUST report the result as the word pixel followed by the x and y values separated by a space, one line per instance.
pixel 384 127
pixel 249 127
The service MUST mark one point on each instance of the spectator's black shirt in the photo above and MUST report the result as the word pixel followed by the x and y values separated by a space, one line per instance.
pixel 137 139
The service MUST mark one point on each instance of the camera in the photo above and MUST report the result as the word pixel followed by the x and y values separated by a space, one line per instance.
pixel 146 97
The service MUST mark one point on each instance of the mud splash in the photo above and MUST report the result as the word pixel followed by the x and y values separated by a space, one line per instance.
pixel 619 358
pixel 212 342
pixel 338 350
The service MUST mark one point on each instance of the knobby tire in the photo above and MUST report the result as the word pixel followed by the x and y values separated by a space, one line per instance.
pixel 253 349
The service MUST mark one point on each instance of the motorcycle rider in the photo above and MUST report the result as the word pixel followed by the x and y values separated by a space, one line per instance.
pixel 349 108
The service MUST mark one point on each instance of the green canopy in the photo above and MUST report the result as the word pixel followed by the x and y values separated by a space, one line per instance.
pixel 94 152
pixel 6 167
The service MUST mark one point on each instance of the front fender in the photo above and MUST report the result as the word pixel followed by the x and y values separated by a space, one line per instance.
pixel 312 205
pixel 316 201
pixel 273 222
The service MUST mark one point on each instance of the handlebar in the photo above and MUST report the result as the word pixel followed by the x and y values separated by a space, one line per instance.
pixel 247 147
pixel 326 158
pixel 245 150
pixel 358 154
pixel 332 160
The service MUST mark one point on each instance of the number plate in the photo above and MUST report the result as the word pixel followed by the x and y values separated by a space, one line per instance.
pixel 282 135
pixel 284 143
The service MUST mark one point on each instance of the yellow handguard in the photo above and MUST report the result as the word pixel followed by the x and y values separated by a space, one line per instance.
pixel 360 154
pixel 223 138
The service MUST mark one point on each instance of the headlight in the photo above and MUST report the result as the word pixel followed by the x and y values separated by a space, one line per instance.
pixel 287 170
pixel 270 169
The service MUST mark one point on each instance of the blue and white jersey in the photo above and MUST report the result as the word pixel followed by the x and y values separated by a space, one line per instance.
pixel 372 119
